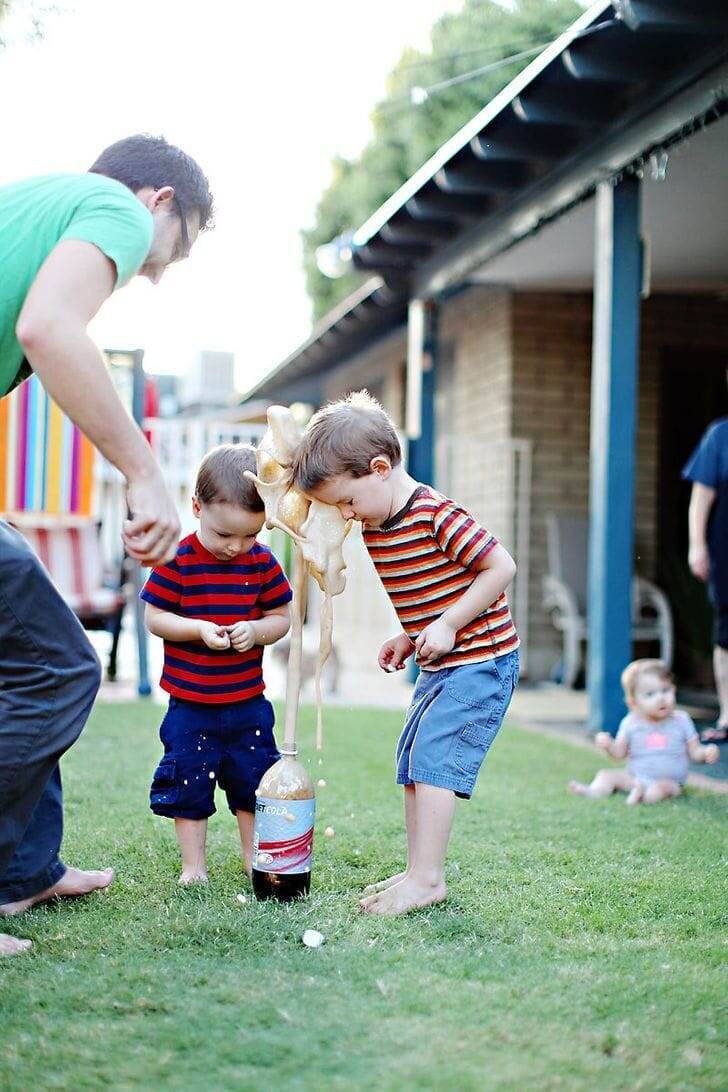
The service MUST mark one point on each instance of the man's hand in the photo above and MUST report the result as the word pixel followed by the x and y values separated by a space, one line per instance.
pixel 699 562
pixel 152 533
pixel 435 640
pixel 603 740
pixel 215 637
pixel 242 636
pixel 395 652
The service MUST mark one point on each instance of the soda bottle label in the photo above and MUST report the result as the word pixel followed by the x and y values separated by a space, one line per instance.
pixel 283 839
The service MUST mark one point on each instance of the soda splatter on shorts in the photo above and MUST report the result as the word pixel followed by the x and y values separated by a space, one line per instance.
pixel 207 745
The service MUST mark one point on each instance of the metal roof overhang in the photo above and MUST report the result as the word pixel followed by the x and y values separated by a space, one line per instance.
pixel 624 78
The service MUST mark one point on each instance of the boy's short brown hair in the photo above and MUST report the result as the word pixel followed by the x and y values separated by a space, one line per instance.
pixel 221 478
pixel 633 673
pixel 343 438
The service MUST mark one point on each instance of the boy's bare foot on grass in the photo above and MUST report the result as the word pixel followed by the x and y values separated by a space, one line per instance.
pixel 192 877
pixel 382 885
pixel 410 894
pixel 13 945
pixel 579 788
pixel 73 884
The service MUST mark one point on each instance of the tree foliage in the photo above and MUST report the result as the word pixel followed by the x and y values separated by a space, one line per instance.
pixel 405 135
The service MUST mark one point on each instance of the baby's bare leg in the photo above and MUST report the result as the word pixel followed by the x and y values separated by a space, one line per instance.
pixel 192 835
pixel 661 790
pixel 410 823
pixel 246 825
pixel 604 784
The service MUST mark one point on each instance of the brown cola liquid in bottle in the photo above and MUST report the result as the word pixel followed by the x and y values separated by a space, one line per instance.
pixel 285 807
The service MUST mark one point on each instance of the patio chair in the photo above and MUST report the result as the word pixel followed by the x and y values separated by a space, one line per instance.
pixel 565 596
pixel 70 549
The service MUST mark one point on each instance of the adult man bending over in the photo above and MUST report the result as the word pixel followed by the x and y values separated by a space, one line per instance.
pixel 67 241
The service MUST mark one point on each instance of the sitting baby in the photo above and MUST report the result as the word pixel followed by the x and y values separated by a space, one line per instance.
pixel 658 740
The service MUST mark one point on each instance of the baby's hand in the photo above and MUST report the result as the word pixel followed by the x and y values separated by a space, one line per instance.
pixel 711 753
pixel 242 636
pixel 214 636
pixel 603 741
pixel 434 641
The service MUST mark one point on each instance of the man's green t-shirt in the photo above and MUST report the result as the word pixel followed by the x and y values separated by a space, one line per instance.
pixel 38 213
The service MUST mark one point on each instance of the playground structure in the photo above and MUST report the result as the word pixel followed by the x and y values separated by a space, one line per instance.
pixel 69 503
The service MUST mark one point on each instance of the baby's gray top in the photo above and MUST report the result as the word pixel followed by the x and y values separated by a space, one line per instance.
pixel 658 749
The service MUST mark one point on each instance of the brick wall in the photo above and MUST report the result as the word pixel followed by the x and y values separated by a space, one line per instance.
pixel 474 405
pixel 551 401
pixel 517 365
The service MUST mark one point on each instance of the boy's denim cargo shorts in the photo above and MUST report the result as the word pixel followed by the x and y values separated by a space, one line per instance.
pixel 453 718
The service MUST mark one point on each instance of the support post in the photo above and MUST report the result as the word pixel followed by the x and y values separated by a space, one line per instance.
pixel 614 385
pixel 143 687
pixel 421 378
pixel 421 374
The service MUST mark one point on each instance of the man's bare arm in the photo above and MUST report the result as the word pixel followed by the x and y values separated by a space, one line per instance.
pixel 70 287
pixel 701 502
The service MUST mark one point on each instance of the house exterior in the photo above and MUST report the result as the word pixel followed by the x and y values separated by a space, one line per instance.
pixel 547 320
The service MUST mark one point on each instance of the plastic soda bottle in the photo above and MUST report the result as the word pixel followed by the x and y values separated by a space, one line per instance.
pixel 285 807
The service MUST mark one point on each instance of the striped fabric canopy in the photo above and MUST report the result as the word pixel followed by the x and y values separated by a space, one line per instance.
pixel 46 463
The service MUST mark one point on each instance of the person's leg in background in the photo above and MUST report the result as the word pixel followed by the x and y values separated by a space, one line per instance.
pixel 49 677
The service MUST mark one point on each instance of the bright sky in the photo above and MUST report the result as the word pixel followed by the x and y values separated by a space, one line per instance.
pixel 262 95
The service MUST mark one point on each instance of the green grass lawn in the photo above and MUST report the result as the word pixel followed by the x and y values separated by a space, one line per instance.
pixel 583 944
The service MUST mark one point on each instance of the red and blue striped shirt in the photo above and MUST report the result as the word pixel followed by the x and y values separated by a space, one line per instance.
pixel 196 584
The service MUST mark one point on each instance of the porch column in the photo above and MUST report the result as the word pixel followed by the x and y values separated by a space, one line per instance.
pixel 421 372
pixel 615 366
pixel 420 402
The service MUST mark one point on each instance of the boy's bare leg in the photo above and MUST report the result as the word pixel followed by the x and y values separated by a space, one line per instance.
pixel 424 882
pixel 246 825
pixel 192 835
pixel 410 824
pixel 604 784
pixel 661 790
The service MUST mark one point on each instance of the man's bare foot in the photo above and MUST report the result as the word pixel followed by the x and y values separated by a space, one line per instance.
pixel 410 894
pixel 375 888
pixel 13 945
pixel 579 788
pixel 195 876
pixel 73 884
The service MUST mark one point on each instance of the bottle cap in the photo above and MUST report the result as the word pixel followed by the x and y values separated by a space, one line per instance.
pixel 291 754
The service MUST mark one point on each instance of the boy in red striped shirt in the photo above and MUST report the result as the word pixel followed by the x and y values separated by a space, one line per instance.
pixel 215 605
pixel 446 577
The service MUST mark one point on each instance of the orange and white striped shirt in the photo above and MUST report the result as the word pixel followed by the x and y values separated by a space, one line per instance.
pixel 425 557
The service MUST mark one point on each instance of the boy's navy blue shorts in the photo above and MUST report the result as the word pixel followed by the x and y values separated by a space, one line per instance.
pixel 207 745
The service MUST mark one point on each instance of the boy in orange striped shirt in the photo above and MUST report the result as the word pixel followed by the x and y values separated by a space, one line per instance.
pixel 446 577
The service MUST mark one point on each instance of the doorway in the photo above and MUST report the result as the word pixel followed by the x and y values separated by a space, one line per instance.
pixel 692 394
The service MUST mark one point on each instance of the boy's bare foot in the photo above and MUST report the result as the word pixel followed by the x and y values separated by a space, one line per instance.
pixel 579 788
pixel 410 894
pixel 13 945
pixel 73 884
pixel 192 877
pixel 375 888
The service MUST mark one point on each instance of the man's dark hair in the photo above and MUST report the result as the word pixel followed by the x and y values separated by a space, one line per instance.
pixel 144 160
